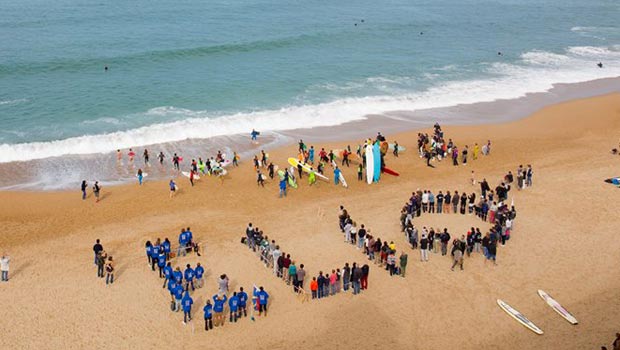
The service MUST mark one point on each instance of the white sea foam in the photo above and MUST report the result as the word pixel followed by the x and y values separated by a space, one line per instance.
pixel 13 102
pixel 536 71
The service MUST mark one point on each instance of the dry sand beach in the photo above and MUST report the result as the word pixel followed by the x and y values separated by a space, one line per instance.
pixel 564 242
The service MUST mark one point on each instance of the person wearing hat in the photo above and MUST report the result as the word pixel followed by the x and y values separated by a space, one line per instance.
pixel 219 300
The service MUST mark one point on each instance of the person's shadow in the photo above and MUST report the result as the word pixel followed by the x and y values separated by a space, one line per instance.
pixel 19 270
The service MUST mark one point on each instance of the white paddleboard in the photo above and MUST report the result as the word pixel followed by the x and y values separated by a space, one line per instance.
pixel 557 307
pixel 342 180
pixel 143 175
pixel 519 317
pixel 307 168
pixel 186 174
pixel 370 164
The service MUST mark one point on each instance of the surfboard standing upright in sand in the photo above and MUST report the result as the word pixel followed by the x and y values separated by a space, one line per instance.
pixel 370 164
pixel 519 317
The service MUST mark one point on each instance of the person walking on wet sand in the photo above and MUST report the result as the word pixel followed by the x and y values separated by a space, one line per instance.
pixel 84 186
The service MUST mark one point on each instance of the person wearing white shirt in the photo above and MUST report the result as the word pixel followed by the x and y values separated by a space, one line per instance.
pixel 4 267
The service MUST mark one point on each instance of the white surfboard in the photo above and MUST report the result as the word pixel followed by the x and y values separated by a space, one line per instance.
pixel 307 168
pixel 143 175
pixel 370 164
pixel 186 174
pixel 519 317
pixel 342 180
pixel 557 307
pixel 400 148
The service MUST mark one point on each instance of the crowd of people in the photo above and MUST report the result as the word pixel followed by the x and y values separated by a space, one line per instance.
pixel 435 147
pixel 490 206
pixel 350 277
pixel 380 253
pixel 182 283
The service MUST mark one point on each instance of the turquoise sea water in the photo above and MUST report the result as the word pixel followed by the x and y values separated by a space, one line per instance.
pixel 195 69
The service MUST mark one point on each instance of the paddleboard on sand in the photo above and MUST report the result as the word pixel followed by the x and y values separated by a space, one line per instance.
pixel 390 171
pixel 557 307
pixel 376 152
pixel 307 168
pixel 370 164
pixel 613 181
pixel 186 174
pixel 519 317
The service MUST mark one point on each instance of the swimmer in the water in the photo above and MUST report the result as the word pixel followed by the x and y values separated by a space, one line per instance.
pixel 600 64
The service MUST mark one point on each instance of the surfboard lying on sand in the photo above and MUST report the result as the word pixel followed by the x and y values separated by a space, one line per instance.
pixel 186 174
pixel 307 168
pixel 613 181
pixel 519 317
pixel 370 164
pixel 557 307
pixel 390 171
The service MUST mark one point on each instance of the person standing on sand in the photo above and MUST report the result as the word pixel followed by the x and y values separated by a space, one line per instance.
pixel 178 296
pixel 223 284
pixel 233 307
pixel 168 274
pixel 218 308
pixel 140 176
pixel 187 302
pixel 97 248
pixel 260 179
pixel 208 310
pixel 457 255
pixel 243 300
pixel 403 263
pixel 616 343
pixel 161 262
pixel 263 300
pixel 101 259
pixel 199 271
pixel 84 186
pixel 96 191
pixel 109 269
pixel 528 176
pixel 161 157
pixel 5 260
pixel 189 277
pixel 282 188
pixel 365 270
pixel 424 248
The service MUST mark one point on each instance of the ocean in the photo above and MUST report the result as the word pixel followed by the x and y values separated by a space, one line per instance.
pixel 191 71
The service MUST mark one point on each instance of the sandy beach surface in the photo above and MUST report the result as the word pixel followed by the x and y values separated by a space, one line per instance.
pixel 564 242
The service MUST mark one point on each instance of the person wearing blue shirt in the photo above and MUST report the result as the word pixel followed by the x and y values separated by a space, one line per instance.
pixel 172 285
pixel 254 133
pixel 208 310
pixel 167 274
pixel 218 308
pixel 187 302
pixel 263 299
pixel 336 175
pixel 282 188
pixel 311 154
pixel 233 307
pixel 166 246
pixel 182 243
pixel 178 276
pixel 190 236
pixel 199 271
pixel 178 295
pixel 189 277
pixel 154 255
pixel 149 251
pixel 161 263
pixel 243 299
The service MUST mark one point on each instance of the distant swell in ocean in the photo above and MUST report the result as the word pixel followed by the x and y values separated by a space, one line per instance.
pixel 534 71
